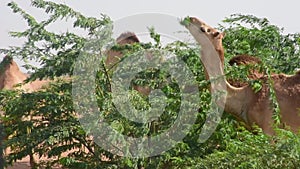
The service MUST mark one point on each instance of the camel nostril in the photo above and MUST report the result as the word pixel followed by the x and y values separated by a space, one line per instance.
pixel 202 29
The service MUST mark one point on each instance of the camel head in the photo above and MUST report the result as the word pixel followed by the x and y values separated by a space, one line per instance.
pixel 10 73
pixel 115 56
pixel 249 106
pixel 127 38
pixel 244 59
pixel 211 33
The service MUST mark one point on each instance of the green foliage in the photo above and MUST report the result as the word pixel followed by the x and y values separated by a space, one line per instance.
pixel 247 34
pixel 58 51
pixel 45 123
pixel 250 151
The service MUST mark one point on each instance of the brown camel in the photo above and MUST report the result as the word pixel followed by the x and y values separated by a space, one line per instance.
pixel 242 102
pixel 216 39
pixel 244 60
pixel 11 78
pixel 113 57
pixel 11 75
pixel 253 73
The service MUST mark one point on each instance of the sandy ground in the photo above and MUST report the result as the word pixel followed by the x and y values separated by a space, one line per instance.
pixel 19 165
pixel 22 164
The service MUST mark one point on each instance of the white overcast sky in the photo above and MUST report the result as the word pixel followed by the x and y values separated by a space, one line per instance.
pixel 281 13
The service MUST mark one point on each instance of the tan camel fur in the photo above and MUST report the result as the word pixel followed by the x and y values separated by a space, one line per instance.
pixel 216 39
pixel 253 73
pixel 11 75
pixel 11 78
pixel 242 102
pixel 113 57
pixel 244 60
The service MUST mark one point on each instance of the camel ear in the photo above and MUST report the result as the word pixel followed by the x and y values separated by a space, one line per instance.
pixel 223 34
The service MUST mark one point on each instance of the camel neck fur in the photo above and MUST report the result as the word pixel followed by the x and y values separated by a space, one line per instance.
pixel 254 108
pixel 211 60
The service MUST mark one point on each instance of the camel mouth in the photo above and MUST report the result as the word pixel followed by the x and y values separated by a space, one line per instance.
pixel 190 21
pixel 186 21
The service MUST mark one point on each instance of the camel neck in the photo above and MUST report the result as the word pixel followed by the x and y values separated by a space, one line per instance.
pixel 221 55
pixel 210 58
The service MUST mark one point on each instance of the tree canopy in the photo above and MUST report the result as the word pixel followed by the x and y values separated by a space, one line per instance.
pixel 45 122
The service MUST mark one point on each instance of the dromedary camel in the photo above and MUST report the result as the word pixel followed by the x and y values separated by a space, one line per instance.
pixel 216 39
pixel 248 106
pixel 253 73
pixel 244 60
pixel 113 57
pixel 11 75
